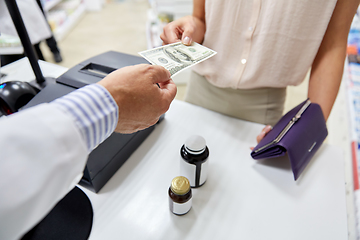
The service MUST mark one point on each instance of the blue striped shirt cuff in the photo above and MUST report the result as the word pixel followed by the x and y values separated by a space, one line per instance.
pixel 94 111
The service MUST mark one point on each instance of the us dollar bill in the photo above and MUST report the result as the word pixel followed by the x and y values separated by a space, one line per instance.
pixel 176 57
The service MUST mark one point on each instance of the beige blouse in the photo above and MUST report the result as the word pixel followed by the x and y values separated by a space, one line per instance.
pixel 263 43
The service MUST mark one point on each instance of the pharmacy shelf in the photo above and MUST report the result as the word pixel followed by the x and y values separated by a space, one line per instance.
pixel 160 13
pixel 11 50
pixel 50 4
pixel 177 8
pixel 71 21
pixel 10 45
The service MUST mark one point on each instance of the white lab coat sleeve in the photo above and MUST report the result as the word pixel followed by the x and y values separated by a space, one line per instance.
pixel 42 157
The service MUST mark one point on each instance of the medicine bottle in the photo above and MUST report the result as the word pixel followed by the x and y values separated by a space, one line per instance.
pixel 180 196
pixel 194 160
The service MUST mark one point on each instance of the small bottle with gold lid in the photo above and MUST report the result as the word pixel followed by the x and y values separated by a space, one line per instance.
pixel 180 196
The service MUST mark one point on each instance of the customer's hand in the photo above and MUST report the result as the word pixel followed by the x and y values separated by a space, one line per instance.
pixel 263 133
pixel 187 29
pixel 141 102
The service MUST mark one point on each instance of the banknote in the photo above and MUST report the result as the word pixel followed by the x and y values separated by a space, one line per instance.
pixel 176 57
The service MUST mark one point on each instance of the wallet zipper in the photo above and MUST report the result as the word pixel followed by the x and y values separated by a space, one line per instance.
pixel 288 126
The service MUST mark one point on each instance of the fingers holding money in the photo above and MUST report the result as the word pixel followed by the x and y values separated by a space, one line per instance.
pixel 172 33
pixel 187 29
pixel 163 75
pixel 140 101
pixel 168 91
pixel 194 31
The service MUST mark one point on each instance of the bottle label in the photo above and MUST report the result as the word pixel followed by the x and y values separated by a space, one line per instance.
pixel 181 208
pixel 204 171
pixel 191 172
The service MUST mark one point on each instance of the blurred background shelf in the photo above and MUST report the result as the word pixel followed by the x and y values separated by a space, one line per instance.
pixel 10 45
pixel 63 19
pixel 161 13
pixel 50 4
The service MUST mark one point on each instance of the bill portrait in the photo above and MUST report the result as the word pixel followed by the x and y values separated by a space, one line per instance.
pixel 177 55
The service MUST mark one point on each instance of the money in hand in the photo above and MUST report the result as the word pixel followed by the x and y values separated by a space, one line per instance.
pixel 176 57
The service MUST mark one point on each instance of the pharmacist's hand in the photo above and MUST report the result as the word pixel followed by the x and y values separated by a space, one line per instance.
pixel 141 102
pixel 263 133
pixel 187 29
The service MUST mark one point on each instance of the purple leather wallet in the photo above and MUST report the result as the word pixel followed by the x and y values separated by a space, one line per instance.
pixel 300 133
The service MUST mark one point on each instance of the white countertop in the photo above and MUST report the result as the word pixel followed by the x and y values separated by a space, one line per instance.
pixel 242 198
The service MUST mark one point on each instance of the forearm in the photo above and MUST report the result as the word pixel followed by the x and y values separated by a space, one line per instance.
pixel 199 10
pixel 325 79
pixel 327 68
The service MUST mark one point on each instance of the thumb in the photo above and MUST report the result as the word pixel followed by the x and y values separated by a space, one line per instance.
pixel 160 74
pixel 186 40
pixel 263 133
pixel 169 88
pixel 187 37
